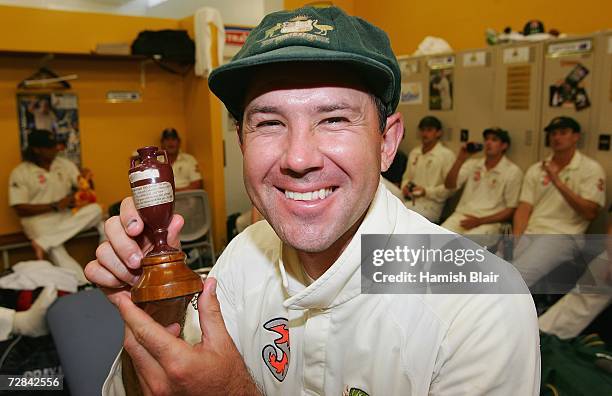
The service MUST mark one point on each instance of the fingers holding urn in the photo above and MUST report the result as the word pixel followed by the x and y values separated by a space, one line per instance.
pixel 108 270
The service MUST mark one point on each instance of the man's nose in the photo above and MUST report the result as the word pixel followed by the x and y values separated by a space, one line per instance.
pixel 302 151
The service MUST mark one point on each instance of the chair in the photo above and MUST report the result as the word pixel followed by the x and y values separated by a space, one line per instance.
pixel 88 334
pixel 197 232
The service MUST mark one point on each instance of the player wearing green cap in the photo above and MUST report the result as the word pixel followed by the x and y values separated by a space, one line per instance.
pixel 282 313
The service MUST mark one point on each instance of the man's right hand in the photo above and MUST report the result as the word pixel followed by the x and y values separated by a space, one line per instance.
pixel 117 265
pixel 463 153
pixel 406 191
pixel 66 203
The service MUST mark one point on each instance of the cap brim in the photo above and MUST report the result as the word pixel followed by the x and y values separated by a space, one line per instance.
pixel 230 81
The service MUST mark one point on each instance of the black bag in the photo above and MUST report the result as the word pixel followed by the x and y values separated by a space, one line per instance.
pixel 27 356
pixel 174 45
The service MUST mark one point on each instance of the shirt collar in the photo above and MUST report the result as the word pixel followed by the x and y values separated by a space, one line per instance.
pixel 342 281
pixel 499 168
pixel 436 149
pixel 574 162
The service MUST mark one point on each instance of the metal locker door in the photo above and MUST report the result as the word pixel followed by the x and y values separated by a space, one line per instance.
pixel 441 93
pixel 517 98
pixel 598 146
pixel 474 94
pixel 414 98
pixel 568 66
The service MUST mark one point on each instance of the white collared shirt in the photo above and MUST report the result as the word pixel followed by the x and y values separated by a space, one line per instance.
pixel 551 213
pixel 31 184
pixel 185 170
pixel 326 337
pixel 429 170
pixel 488 191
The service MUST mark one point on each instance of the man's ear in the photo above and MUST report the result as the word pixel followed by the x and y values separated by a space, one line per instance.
pixel 391 138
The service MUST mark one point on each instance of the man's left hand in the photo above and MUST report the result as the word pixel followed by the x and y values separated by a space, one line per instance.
pixel 167 364
pixel 470 222
pixel 418 191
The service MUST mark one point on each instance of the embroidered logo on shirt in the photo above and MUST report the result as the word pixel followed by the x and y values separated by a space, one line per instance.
pixel 600 184
pixel 477 176
pixel 276 357
pixel 41 179
pixel 354 392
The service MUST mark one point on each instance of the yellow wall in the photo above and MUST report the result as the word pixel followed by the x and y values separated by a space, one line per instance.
pixel 463 23
pixel 109 132
pixel 30 29
pixel 346 5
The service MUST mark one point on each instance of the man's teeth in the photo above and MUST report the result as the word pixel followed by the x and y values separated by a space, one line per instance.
pixel 308 196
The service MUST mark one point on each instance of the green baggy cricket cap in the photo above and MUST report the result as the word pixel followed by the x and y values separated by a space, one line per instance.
pixel 324 35
pixel 563 122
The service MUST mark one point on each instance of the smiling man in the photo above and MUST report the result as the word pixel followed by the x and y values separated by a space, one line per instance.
pixel 282 313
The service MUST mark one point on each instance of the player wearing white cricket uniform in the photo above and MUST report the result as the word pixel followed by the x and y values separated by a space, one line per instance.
pixel 560 196
pixel 492 187
pixel 569 316
pixel 428 165
pixel 287 315
pixel 299 336
pixel 40 191
pixel 187 175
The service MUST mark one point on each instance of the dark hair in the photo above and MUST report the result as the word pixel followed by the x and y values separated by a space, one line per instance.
pixel 381 112
pixel 29 156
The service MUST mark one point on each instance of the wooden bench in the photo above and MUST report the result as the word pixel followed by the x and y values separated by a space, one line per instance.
pixel 19 240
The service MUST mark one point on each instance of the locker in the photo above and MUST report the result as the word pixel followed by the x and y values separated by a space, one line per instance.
pixel 236 198
pixel 417 74
pixel 474 95
pixel 414 98
pixel 600 132
pixel 571 59
pixel 517 98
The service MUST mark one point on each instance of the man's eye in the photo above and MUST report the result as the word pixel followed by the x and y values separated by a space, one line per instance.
pixel 268 123
pixel 335 120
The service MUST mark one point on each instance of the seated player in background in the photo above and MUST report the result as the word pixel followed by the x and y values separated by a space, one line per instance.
pixel 492 186
pixel 187 174
pixel 560 196
pixel 423 182
pixel 41 190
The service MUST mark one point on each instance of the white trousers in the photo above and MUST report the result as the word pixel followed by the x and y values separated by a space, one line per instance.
pixel 536 256
pixel 51 230
pixel 574 311
pixel 426 207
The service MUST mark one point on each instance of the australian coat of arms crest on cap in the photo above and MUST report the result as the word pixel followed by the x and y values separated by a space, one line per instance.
pixel 299 26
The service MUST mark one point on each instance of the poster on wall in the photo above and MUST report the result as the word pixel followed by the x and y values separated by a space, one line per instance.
pixel 441 89
pixel 570 92
pixel 412 93
pixel 55 112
